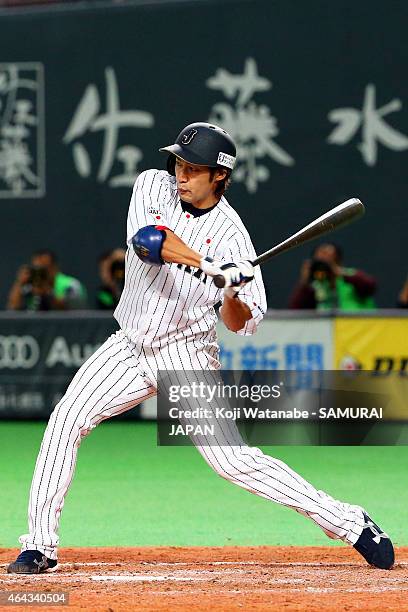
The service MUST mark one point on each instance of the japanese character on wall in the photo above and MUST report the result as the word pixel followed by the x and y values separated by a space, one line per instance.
pixel 250 124
pixel 22 130
pixel 88 118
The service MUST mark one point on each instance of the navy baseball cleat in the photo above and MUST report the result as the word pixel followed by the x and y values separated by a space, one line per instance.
pixel 375 545
pixel 32 562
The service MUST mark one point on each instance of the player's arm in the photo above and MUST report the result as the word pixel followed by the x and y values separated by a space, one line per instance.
pixel 155 244
pixel 234 312
pixel 251 291
pixel 174 250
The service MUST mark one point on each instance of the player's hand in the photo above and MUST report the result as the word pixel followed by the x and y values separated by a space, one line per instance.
pixel 237 274
pixel 210 266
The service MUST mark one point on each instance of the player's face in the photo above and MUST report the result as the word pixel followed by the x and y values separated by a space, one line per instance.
pixel 195 184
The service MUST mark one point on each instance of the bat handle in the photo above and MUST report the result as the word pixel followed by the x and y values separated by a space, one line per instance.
pixel 219 281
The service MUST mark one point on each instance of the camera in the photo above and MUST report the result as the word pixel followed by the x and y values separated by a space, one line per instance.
pixel 38 276
pixel 320 271
pixel 117 271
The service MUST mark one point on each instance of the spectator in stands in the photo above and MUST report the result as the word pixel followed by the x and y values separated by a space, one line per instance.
pixel 325 284
pixel 42 286
pixel 112 274
pixel 403 296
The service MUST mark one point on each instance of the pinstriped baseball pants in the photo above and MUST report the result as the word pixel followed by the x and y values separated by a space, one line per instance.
pixel 114 380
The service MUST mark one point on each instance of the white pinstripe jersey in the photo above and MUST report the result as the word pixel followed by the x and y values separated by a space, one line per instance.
pixel 173 302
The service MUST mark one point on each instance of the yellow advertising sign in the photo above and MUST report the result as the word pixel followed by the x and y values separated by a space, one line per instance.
pixel 379 344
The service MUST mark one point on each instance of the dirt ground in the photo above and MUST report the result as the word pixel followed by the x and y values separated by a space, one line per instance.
pixel 228 578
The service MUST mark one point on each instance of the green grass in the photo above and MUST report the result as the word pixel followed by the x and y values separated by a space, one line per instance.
pixel 129 492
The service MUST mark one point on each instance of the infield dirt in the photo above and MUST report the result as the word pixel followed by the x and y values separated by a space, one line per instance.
pixel 225 578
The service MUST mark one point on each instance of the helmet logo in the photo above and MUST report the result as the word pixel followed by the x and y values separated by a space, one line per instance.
pixel 187 138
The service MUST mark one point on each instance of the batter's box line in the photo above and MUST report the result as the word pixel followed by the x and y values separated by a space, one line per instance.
pixel 149 578
pixel 82 564
pixel 54 576
pixel 192 563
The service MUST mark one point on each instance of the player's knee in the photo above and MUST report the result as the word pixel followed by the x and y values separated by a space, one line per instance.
pixel 242 461
pixel 229 465
pixel 221 470
pixel 67 412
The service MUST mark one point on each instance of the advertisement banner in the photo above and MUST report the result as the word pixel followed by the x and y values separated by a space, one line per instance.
pixel 40 355
pixel 281 344
pixel 379 344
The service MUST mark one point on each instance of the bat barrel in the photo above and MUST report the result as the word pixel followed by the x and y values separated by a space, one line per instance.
pixel 337 217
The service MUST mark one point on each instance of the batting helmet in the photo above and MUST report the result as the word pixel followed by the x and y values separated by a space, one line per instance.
pixel 204 144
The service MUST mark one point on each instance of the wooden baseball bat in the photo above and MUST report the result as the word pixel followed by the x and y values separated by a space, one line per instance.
pixel 337 217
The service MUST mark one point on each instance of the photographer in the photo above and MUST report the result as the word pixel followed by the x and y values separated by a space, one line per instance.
pixel 42 286
pixel 112 274
pixel 325 284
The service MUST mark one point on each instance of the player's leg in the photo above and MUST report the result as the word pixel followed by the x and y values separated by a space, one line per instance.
pixel 109 383
pixel 268 477
pixel 250 468
pixel 253 470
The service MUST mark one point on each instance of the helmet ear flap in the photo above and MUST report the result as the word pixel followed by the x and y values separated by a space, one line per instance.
pixel 171 164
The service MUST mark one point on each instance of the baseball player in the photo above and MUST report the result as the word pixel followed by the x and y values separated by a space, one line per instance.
pixel 181 231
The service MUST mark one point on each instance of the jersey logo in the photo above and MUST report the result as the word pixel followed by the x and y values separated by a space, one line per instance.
pixel 154 211
pixel 197 273
pixel 187 138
